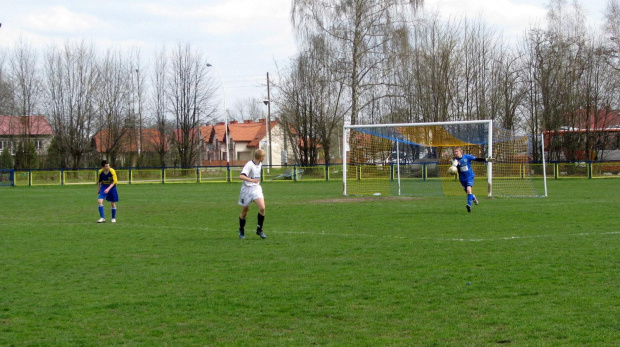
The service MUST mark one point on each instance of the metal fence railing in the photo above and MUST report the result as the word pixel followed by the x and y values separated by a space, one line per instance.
pixel 292 173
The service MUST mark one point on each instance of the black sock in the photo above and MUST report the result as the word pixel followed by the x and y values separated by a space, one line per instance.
pixel 261 219
pixel 241 224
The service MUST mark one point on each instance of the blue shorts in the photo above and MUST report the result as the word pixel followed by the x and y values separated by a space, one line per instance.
pixel 467 183
pixel 112 195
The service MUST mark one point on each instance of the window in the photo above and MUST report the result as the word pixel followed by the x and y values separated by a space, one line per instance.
pixel 38 144
pixel 3 145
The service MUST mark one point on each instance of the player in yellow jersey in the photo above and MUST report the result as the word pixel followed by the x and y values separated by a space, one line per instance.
pixel 106 188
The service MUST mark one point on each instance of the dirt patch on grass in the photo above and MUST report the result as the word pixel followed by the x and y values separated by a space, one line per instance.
pixel 362 199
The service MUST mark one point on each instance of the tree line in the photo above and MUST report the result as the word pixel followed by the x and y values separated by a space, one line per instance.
pixel 386 61
pixel 358 61
pixel 83 92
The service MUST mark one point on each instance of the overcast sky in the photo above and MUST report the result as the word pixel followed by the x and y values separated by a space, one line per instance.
pixel 244 39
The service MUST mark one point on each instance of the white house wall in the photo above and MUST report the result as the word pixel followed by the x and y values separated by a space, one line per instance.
pixel 277 145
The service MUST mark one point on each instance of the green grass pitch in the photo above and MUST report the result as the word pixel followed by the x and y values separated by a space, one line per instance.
pixel 333 270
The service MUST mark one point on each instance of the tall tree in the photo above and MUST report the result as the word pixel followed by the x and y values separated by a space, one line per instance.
pixel 297 110
pixel 612 27
pixel 70 87
pixel 25 75
pixel 27 89
pixel 114 118
pixel 6 159
pixel 159 106
pixel 7 103
pixel 137 98
pixel 316 102
pixel 190 95
pixel 359 30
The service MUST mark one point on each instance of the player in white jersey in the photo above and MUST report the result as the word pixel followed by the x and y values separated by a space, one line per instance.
pixel 252 191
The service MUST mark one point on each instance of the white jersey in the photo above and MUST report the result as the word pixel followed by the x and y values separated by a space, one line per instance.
pixel 252 171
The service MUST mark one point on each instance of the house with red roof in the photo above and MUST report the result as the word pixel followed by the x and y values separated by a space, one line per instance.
pixel 128 143
pixel 248 136
pixel 14 129
pixel 245 138
pixel 206 144
pixel 600 130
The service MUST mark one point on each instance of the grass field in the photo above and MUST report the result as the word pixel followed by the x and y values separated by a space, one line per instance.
pixel 334 270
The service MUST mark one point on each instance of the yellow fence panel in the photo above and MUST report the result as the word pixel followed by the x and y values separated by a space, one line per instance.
pixel 70 177
pixel 146 176
pixel 278 174
pixel 21 178
pixel 180 176
pixel 213 174
pixel 45 178
pixel 572 170
pixel 311 173
pixel 606 170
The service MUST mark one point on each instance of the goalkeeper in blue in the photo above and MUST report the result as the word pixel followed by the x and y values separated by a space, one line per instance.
pixel 251 190
pixel 106 189
pixel 466 174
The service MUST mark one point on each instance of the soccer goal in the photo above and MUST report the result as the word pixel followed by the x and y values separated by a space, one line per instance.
pixel 412 159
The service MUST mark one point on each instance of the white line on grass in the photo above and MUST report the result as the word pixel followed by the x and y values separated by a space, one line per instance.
pixel 507 238
pixel 233 231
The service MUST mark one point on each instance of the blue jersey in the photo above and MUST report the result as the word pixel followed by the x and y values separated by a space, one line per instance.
pixel 464 168
pixel 106 180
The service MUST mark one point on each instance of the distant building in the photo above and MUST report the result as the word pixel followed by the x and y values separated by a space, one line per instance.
pixel 15 129
pixel 599 131
pixel 245 138
pixel 207 146
pixel 130 143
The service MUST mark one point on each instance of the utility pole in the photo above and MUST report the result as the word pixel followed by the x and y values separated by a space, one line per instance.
pixel 139 116
pixel 269 119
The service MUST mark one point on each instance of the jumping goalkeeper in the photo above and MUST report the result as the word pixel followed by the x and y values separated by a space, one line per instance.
pixel 466 174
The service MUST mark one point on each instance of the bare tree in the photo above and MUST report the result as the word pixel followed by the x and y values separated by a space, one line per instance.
pixel 557 79
pixel 137 91
pixel 70 87
pixel 598 92
pixel 190 94
pixel 359 30
pixel 113 104
pixel 510 86
pixel 532 108
pixel 249 109
pixel 25 77
pixel 434 81
pixel 159 106
pixel 27 87
pixel 314 103
pixel 297 111
pixel 612 27
pixel 7 103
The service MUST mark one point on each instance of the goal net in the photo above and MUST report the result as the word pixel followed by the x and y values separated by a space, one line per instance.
pixel 412 159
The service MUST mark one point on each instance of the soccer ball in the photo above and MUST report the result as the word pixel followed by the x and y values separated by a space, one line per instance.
pixel 452 170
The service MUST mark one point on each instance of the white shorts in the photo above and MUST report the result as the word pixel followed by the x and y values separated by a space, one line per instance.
pixel 249 194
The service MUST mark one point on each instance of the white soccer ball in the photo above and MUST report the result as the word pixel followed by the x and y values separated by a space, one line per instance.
pixel 452 170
